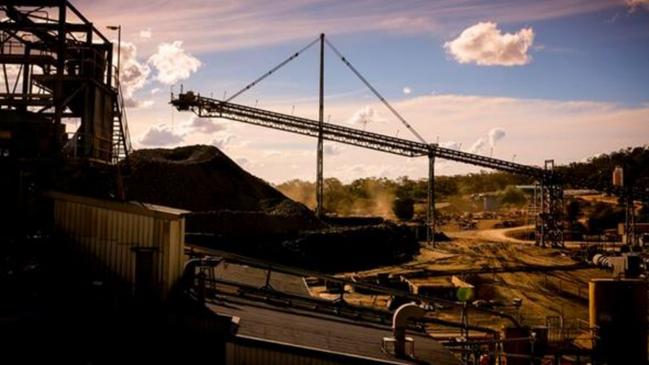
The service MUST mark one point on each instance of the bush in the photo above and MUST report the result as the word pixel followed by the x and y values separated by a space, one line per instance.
pixel 403 208
pixel 513 196
pixel 573 211
pixel 605 216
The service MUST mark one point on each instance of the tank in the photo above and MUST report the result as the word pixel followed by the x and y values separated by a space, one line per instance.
pixel 618 309
pixel 618 176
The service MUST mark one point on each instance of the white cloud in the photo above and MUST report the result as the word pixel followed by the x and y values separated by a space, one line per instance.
pixel 12 72
pixel 242 161
pixel 203 125
pixel 173 63
pixel 161 136
pixel 142 104
pixel 332 149
pixel 246 24
pixel 407 90
pixel 478 145
pixel 145 33
pixel 224 141
pixel 133 73
pixel 155 90
pixel 485 45
pixel 451 144
pixel 496 134
pixel 364 116
pixel 633 5
pixel 563 130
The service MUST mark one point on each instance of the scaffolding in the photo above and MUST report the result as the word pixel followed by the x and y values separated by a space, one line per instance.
pixel 57 69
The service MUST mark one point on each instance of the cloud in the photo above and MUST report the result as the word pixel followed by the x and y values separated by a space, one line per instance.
pixel 203 125
pixel 245 24
pixel 141 104
pixel 242 161
pixel 478 145
pixel 145 33
pixel 161 136
pixel 485 45
pixel 495 134
pixel 562 130
pixel 364 116
pixel 173 63
pixel 332 149
pixel 155 90
pixel 407 90
pixel 12 71
pixel 222 142
pixel 133 73
pixel 451 145
pixel 633 5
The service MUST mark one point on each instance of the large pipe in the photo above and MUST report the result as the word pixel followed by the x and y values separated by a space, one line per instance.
pixel 400 320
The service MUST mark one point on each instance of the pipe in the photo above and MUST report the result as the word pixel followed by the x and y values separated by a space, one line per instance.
pixel 400 320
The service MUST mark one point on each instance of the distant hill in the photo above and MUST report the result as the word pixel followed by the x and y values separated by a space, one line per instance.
pixel 597 171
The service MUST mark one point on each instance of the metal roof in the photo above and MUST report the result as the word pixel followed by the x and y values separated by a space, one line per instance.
pixel 325 332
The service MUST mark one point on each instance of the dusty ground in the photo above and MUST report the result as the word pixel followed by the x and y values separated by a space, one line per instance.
pixel 559 288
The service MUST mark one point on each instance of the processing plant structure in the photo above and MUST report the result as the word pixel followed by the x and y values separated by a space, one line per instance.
pixel 60 71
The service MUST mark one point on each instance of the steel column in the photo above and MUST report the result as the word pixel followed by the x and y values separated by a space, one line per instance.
pixel 60 63
pixel 629 220
pixel 430 203
pixel 319 176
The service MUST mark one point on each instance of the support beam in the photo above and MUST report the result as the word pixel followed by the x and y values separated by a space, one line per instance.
pixel 550 227
pixel 319 176
pixel 430 208
pixel 629 220
pixel 60 64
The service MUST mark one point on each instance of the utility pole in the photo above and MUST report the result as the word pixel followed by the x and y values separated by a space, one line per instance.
pixel 118 28
pixel 319 178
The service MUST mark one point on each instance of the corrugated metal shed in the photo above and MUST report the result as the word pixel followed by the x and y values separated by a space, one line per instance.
pixel 142 244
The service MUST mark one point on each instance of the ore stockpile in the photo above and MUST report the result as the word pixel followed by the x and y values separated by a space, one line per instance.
pixel 234 210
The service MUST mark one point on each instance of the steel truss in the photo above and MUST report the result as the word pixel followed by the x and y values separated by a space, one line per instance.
pixel 64 71
pixel 213 108
pixel 548 221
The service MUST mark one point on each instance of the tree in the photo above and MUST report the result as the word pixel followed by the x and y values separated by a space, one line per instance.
pixel 573 210
pixel 403 208
pixel 605 216
pixel 513 196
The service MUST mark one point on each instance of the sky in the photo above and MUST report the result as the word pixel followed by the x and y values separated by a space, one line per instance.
pixel 518 80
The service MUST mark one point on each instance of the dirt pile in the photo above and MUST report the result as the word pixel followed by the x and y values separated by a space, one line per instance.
pixel 202 178
pixel 234 210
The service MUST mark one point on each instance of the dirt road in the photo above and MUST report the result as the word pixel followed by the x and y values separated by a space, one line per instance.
pixel 493 235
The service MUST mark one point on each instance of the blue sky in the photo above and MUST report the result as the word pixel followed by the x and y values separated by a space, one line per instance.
pixel 563 80
pixel 580 57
